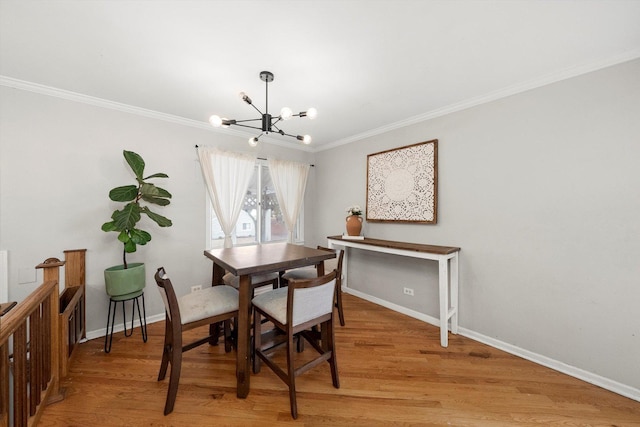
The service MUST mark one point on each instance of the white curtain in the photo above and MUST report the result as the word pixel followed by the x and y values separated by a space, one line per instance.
pixel 289 180
pixel 227 176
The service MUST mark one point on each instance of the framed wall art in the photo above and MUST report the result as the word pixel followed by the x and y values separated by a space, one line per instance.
pixel 402 184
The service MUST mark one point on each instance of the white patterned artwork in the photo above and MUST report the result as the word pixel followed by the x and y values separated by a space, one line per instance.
pixel 402 184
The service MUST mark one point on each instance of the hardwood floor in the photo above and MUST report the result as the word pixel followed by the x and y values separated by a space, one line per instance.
pixel 392 372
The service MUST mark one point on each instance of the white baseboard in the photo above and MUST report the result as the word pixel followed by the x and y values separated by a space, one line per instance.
pixel 591 378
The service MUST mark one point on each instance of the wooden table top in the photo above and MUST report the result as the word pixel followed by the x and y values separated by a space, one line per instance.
pixel 243 260
pixel 417 247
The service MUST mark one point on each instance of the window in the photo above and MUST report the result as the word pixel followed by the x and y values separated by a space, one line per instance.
pixel 260 220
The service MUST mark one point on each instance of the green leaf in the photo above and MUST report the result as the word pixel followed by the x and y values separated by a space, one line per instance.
pixel 159 219
pixel 125 193
pixel 147 189
pixel 135 162
pixel 130 246
pixel 156 200
pixel 163 193
pixel 126 218
pixel 124 236
pixel 157 175
pixel 152 194
pixel 140 237
pixel 109 226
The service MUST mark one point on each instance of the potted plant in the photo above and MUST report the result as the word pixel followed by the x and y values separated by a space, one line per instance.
pixel 121 278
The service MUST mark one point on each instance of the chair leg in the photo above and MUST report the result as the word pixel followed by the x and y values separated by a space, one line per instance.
pixel 166 349
pixel 339 305
pixel 292 377
pixel 175 359
pixel 108 338
pixel 333 363
pixel 299 343
pixel 214 333
pixel 227 336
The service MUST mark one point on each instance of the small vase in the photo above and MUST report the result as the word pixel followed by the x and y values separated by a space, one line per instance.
pixel 354 225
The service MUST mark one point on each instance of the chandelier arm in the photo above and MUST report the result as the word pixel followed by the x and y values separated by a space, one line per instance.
pixel 286 134
pixel 257 109
pixel 246 120
pixel 247 126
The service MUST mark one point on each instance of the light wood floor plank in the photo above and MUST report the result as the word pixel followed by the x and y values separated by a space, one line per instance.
pixel 392 372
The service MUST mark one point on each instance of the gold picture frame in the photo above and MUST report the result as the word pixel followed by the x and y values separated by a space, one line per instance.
pixel 402 184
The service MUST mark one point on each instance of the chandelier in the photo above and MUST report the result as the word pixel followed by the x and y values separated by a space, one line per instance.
pixel 268 122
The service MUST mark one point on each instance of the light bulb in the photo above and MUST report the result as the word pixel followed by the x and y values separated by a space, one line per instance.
pixel 286 113
pixel 215 121
pixel 253 141
pixel 312 113
pixel 245 97
pixel 306 139
pixel 222 122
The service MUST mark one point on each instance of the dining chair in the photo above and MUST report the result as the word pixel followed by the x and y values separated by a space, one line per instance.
pixel 310 272
pixel 293 311
pixel 204 307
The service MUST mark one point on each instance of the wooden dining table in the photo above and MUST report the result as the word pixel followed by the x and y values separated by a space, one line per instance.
pixel 245 261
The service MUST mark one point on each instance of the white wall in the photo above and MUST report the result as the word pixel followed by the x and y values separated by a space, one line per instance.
pixel 541 191
pixel 58 161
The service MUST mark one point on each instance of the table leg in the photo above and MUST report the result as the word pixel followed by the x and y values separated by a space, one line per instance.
pixel 454 293
pixel 443 282
pixel 320 269
pixel 345 263
pixel 243 372
pixel 216 277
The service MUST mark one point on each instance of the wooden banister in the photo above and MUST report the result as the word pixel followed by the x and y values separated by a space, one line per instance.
pixel 35 362
pixel 37 337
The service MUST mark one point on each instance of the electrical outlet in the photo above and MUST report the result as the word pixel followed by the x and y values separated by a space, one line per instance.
pixel 408 291
pixel 196 288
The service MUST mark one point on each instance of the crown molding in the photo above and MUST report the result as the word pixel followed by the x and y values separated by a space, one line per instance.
pixel 472 102
pixel 567 73
pixel 104 103
pixel 98 102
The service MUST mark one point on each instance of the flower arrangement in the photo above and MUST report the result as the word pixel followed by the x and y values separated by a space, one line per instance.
pixel 354 210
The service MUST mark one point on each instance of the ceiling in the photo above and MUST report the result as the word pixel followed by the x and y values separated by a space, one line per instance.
pixel 367 66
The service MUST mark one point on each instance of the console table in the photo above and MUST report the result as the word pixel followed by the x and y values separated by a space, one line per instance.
pixel 446 256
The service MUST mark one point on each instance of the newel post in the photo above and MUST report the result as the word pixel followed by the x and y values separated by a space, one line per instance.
pixel 51 271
